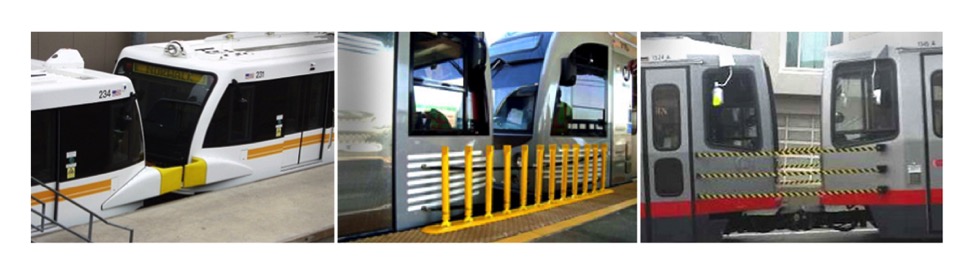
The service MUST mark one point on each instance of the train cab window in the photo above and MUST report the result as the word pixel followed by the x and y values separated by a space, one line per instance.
pixel 734 123
pixel 103 137
pixel 442 99
pixel 864 102
pixel 171 100
pixel 43 145
pixel 937 81
pixel 666 117
pixel 580 110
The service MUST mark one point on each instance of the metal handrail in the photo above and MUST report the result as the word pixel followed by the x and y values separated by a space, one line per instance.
pixel 43 210
pixel 91 214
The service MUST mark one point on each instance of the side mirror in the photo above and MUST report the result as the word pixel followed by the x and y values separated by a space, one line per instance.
pixel 568 72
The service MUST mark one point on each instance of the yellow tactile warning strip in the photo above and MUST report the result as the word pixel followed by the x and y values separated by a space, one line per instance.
pixel 573 222
pixel 515 226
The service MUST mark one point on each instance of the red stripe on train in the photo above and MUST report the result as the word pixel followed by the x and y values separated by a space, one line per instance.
pixel 893 197
pixel 704 207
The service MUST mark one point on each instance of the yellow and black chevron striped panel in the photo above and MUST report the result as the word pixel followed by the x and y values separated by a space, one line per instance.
pixel 789 194
pixel 792 151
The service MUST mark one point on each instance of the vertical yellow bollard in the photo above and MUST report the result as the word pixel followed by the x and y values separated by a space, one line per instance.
pixel 596 167
pixel 445 177
pixel 538 176
pixel 564 171
pixel 468 183
pixel 507 179
pixel 552 150
pixel 574 170
pixel 591 154
pixel 490 182
pixel 605 161
pixel 525 151
pixel 585 154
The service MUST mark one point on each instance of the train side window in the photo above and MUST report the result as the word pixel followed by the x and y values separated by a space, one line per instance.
pixel 516 112
pixel 441 99
pixel 668 174
pixel 937 81
pixel 43 145
pixel 735 123
pixel 864 102
pixel 666 117
pixel 580 110
pixel 104 137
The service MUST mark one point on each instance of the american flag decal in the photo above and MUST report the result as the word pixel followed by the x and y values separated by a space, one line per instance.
pixel 116 92
pixel 248 76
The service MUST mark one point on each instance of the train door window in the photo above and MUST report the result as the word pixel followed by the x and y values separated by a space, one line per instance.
pixel 735 122
pixel 441 101
pixel 937 81
pixel 580 110
pixel 43 145
pixel 668 174
pixel 102 137
pixel 864 102
pixel 666 117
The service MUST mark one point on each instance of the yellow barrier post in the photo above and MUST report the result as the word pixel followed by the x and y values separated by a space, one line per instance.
pixel 507 179
pixel 552 150
pixel 585 155
pixel 445 177
pixel 538 175
pixel 574 170
pixel 490 182
pixel 525 151
pixel 591 169
pixel 468 183
pixel 595 168
pixel 564 171
pixel 605 161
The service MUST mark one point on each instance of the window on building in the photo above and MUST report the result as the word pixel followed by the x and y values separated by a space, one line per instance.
pixel 735 123
pixel 580 110
pixel 666 117
pixel 864 102
pixel 442 100
pixel 806 50
pixel 937 81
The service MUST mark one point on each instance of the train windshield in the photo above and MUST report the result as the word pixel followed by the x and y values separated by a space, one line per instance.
pixel 172 100
pixel 68 143
pixel 515 73
pixel 864 102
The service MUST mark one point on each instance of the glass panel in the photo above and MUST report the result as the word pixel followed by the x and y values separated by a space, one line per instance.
pixel 666 117
pixel 813 49
pixel 43 145
pixel 580 110
pixel 791 51
pixel 668 174
pixel 110 142
pixel 514 45
pixel 864 102
pixel 937 81
pixel 735 123
pixel 836 38
pixel 439 91
pixel 172 100
pixel 516 113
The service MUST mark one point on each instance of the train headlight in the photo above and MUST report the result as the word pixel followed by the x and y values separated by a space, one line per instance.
pixel 174 49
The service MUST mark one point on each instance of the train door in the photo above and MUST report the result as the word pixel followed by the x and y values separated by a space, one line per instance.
pixel 933 93
pixel 303 119
pixel 622 141
pixel 442 99
pixel 667 181
pixel 366 120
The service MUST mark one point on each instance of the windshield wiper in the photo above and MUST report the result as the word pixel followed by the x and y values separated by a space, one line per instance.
pixel 497 66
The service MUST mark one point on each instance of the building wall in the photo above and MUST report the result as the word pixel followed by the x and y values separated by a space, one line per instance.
pixel 100 49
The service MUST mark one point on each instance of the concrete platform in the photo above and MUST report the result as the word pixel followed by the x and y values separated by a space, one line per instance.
pixel 297 207
pixel 533 226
